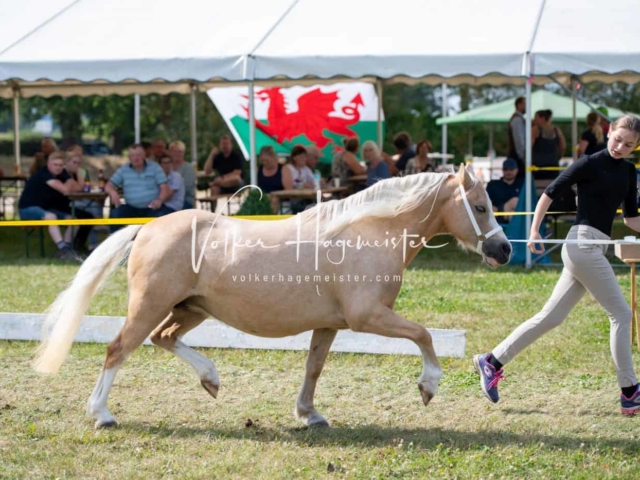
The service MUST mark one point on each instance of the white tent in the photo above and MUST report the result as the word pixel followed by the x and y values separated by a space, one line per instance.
pixel 94 47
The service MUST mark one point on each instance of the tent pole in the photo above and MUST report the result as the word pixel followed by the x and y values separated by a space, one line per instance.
pixel 379 92
pixel 136 116
pixel 471 139
pixel 252 137
pixel 444 125
pixel 491 152
pixel 528 182
pixel 574 119
pixel 16 129
pixel 192 122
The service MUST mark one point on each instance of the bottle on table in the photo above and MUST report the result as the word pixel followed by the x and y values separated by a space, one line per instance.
pixel 101 181
pixel 87 183
pixel 316 179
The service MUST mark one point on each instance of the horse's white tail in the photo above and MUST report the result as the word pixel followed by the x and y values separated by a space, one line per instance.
pixel 66 312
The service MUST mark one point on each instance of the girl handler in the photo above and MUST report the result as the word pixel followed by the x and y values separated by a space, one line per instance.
pixel 605 180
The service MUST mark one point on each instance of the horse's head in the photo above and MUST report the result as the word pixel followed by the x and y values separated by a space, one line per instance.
pixel 469 217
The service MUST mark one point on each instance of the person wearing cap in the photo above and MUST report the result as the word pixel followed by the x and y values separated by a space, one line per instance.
pixel 504 193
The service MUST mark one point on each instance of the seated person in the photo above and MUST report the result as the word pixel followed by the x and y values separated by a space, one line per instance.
pixel 230 167
pixel 377 169
pixel 92 208
pixel 45 198
pixel 272 176
pixel 504 193
pixel 187 172
pixel 175 200
pixel 420 163
pixel 313 156
pixel 301 174
pixel 144 185
pixel 345 164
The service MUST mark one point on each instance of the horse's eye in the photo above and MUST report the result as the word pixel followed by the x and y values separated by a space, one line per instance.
pixel 481 209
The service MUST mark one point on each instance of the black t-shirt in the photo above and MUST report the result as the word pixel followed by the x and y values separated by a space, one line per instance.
pixel 225 165
pixel 593 145
pixel 37 193
pixel 603 184
pixel 407 155
pixel 501 192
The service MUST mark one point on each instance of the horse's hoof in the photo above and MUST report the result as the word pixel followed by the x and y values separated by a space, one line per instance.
pixel 426 396
pixel 106 424
pixel 320 424
pixel 210 387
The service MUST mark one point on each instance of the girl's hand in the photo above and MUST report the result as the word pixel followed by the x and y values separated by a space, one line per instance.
pixel 532 242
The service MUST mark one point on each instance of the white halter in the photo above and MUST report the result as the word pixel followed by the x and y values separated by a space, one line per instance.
pixel 481 236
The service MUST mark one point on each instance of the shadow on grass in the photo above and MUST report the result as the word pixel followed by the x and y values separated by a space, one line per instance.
pixel 374 436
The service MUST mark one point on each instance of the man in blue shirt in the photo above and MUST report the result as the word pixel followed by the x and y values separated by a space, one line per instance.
pixel 144 185
pixel 504 193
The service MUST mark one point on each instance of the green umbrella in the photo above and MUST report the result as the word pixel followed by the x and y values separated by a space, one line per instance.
pixel 501 112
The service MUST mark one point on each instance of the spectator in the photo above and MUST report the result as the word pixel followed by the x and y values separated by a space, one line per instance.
pixel 158 150
pixel 301 174
pixel 548 144
pixel 313 156
pixel 420 163
pixel 45 198
pixel 272 176
pixel 504 193
pixel 345 164
pixel 47 147
pixel 516 135
pixel 404 148
pixel 148 149
pixel 230 167
pixel 91 207
pixel 39 161
pixel 377 169
pixel 604 122
pixel 592 139
pixel 175 200
pixel 186 171
pixel 144 185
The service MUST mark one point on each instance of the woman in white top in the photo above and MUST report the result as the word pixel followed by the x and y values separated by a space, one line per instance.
pixel 301 174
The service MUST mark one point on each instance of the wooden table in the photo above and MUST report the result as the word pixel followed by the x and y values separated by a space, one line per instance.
pixel 630 254
pixel 358 178
pixel 98 197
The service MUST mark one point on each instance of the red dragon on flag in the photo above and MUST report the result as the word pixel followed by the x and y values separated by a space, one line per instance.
pixel 315 115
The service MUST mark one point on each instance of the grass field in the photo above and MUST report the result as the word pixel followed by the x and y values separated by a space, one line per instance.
pixel 558 417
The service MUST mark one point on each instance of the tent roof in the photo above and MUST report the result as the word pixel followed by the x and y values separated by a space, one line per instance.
pixel 576 36
pixel 412 38
pixel 501 112
pixel 123 46
pixel 145 41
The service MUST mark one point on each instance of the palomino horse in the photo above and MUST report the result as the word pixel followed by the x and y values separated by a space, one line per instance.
pixel 185 267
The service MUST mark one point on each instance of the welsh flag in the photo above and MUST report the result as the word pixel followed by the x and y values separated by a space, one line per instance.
pixel 322 115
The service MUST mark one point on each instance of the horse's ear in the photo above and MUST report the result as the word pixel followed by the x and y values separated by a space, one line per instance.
pixel 466 180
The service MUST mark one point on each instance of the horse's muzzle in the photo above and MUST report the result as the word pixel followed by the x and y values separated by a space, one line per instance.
pixel 497 248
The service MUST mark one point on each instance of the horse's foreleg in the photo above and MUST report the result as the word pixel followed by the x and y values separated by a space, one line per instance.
pixel 318 350
pixel 168 335
pixel 383 321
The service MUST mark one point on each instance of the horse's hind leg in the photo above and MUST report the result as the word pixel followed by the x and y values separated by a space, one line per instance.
pixel 168 334
pixel 142 318
pixel 318 350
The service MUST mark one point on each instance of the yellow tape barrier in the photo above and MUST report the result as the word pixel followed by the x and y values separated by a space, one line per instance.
pixel 115 221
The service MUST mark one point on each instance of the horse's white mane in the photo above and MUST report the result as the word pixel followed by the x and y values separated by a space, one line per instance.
pixel 387 198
